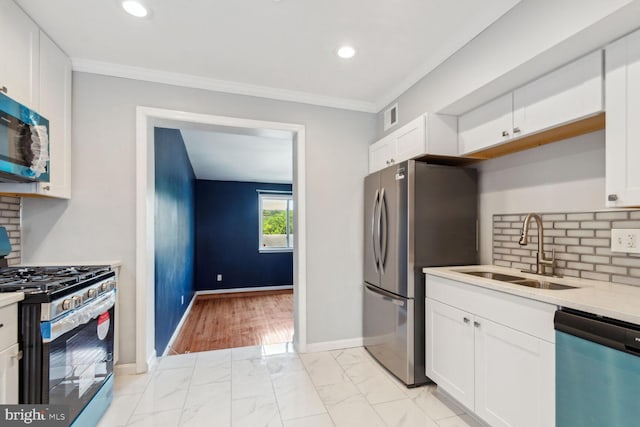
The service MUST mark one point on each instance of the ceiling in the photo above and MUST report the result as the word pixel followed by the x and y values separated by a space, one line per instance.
pixel 238 155
pixel 283 49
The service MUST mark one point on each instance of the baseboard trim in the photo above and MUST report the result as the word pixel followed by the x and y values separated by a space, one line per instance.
pixel 125 369
pixel 176 332
pixel 152 361
pixel 235 290
pixel 331 345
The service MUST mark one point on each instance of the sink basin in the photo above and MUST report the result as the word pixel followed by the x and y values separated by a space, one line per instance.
pixel 518 280
pixel 494 276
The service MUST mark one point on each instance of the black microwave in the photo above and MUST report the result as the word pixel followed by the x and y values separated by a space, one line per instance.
pixel 24 143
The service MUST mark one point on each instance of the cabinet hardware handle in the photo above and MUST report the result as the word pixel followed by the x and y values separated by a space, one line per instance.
pixel 612 197
pixel 46 188
pixel 387 162
pixel 392 161
pixel 4 89
pixel 466 320
pixel 505 133
pixel 476 324
pixel 516 130
pixel 1 325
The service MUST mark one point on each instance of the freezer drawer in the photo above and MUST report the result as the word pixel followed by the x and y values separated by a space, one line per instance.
pixel 389 331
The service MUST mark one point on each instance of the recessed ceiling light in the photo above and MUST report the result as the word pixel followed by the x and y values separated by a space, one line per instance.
pixel 346 52
pixel 135 8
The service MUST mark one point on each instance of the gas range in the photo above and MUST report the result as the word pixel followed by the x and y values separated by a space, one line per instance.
pixel 59 289
pixel 66 328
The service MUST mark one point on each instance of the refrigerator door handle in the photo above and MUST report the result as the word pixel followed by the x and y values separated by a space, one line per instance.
pixel 379 293
pixel 376 201
pixel 385 231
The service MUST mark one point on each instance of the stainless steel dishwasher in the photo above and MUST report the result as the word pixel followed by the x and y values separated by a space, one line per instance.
pixel 597 371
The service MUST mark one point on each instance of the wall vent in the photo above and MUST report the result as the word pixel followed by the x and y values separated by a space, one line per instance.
pixel 391 116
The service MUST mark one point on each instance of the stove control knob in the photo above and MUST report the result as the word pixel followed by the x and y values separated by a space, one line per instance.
pixel 107 286
pixel 91 293
pixel 66 304
pixel 77 301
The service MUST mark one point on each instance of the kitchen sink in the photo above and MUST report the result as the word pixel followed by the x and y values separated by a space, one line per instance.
pixel 518 280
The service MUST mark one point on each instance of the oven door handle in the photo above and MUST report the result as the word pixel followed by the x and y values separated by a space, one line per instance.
pixel 58 327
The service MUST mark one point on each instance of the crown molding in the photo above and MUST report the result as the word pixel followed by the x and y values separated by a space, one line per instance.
pixel 197 82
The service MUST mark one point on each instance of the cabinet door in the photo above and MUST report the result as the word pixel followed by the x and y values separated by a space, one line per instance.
pixel 381 153
pixel 9 375
pixel 410 140
pixel 19 37
pixel 623 124
pixel 515 377
pixel 564 95
pixel 449 351
pixel 487 125
pixel 55 105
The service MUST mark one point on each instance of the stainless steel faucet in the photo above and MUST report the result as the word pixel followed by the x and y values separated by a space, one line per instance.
pixel 541 262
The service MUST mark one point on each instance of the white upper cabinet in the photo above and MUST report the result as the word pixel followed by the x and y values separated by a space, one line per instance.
pixel 427 134
pixel 487 125
pixel 55 105
pixel 569 93
pixel 53 89
pixel 19 40
pixel 566 95
pixel 623 121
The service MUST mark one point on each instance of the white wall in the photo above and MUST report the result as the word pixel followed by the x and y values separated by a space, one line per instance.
pixel 529 40
pixel 560 177
pixel 99 220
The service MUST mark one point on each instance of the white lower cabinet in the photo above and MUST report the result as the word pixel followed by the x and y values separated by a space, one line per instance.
pixel 9 361
pixel 504 375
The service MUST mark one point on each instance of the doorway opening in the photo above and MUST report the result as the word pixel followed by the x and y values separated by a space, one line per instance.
pixel 148 119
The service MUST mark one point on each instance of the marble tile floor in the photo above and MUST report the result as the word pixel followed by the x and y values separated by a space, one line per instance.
pixel 272 385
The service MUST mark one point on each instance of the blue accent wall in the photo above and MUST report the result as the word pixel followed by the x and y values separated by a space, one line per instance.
pixel 174 233
pixel 227 238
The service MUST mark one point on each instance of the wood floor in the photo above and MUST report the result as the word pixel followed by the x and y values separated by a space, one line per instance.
pixel 236 320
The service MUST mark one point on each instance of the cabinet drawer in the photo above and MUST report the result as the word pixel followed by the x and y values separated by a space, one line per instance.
pixel 526 315
pixel 9 328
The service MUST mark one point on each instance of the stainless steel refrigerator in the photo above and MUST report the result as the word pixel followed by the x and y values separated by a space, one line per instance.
pixel 416 215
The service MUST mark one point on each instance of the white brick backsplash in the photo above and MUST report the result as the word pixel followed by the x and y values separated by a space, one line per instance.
pixel 580 217
pixel 595 224
pixel 625 224
pixel 627 262
pixel 581 266
pixel 580 249
pixel 554 217
pixel 594 276
pixel 568 224
pixel 595 259
pixel 612 215
pixel 581 241
pixel 627 280
pixel 595 242
pixel 10 219
pixel 581 233
pixel 612 269
pixel 635 272
pixel 568 257
pixel 566 241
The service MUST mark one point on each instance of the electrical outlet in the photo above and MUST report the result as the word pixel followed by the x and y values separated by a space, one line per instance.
pixel 219 278
pixel 625 240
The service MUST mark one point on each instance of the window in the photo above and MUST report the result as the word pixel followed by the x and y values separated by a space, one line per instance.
pixel 276 222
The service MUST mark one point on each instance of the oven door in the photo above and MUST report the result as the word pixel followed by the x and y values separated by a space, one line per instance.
pixel 80 352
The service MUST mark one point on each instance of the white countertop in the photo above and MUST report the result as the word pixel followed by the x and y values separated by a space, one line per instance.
pixel 612 300
pixel 10 298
